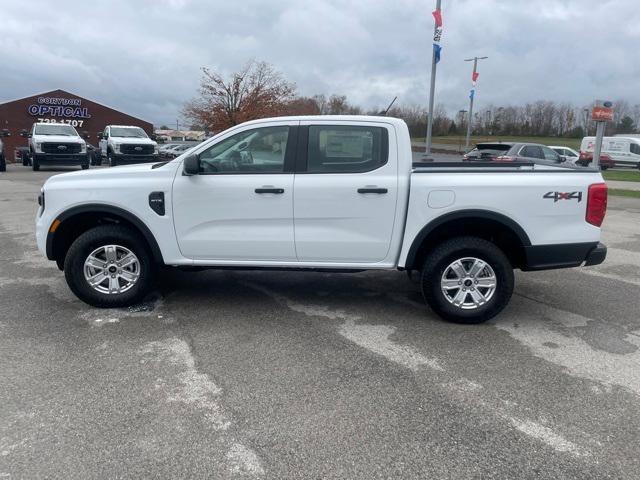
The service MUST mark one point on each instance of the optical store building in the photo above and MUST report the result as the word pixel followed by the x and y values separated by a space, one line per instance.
pixel 61 107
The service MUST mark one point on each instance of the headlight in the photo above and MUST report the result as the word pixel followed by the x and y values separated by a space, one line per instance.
pixel 156 150
pixel 116 147
pixel 39 147
pixel 83 148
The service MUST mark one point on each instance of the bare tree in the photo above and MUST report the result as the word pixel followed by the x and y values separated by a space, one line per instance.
pixel 256 91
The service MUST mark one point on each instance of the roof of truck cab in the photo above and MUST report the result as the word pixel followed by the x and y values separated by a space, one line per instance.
pixel 334 118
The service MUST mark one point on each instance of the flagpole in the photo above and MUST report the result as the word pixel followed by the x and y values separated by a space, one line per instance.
pixel 437 31
pixel 472 94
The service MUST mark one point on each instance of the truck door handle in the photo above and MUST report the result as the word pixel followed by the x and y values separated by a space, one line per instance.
pixel 269 190
pixel 373 190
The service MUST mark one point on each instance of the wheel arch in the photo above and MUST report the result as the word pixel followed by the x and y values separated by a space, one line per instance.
pixel 77 220
pixel 500 229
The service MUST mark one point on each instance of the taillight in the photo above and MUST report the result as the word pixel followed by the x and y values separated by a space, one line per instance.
pixel 505 158
pixel 596 204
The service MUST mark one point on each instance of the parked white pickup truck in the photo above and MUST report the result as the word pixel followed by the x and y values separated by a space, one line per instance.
pixel 331 193
pixel 125 144
pixel 56 144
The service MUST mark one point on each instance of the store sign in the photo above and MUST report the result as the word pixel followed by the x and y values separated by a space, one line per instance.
pixel 59 107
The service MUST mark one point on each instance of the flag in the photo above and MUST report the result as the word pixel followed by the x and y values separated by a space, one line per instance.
pixel 437 15
pixel 472 93
pixel 436 51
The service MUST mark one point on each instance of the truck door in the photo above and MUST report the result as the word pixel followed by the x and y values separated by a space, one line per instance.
pixel 240 207
pixel 345 193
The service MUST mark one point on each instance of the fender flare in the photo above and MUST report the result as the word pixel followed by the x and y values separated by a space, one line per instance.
pixel 460 215
pixel 105 208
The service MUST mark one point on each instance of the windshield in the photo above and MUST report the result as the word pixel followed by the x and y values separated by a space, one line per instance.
pixel 56 129
pixel 132 132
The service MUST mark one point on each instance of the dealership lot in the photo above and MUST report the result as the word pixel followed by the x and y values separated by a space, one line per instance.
pixel 229 374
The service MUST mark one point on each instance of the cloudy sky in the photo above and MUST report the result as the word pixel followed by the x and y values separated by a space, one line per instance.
pixel 144 56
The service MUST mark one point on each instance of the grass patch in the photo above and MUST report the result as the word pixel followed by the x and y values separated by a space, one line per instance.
pixel 622 175
pixel 459 140
pixel 617 192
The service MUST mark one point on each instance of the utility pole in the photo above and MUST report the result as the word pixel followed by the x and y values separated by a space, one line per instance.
pixel 435 57
pixel 472 94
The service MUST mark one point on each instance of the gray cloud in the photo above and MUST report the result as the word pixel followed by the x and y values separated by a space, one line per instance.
pixel 144 56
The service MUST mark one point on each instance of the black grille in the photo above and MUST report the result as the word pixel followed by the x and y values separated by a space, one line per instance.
pixel 136 149
pixel 61 148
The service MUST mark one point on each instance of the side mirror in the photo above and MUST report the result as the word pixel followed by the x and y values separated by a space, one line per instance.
pixel 85 135
pixel 191 165
pixel 153 137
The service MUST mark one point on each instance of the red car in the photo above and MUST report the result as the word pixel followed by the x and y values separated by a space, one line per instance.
pixel 587 157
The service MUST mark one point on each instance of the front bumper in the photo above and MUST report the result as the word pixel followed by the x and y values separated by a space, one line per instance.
pixel 548 257
pixel 64 159
pixel 134 158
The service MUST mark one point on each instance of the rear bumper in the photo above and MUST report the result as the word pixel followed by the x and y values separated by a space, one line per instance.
pixel 547 257
pixel 69 159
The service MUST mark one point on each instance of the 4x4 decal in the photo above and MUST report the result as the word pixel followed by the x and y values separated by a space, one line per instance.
pixel 556 196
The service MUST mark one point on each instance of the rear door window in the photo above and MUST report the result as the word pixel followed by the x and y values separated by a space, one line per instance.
pixel 346 149
pixel 550 155
pixel 532 151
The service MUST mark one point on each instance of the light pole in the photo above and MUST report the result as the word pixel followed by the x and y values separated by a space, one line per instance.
pixel 435 57
pixel 472 94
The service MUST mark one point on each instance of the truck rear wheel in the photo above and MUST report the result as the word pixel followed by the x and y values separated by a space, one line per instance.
pixel 467 280
pixel 109 266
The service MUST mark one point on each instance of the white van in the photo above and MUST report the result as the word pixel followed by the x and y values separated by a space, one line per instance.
pixel 623 150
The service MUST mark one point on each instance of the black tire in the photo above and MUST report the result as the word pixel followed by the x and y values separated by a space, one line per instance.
pixel 437 262
pixel 84 166
pixel 3 164
pixel 35 165
pixel 111 160
pixel 25 162
pixel 99 236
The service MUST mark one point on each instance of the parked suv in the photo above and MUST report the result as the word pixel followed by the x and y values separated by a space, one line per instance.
pixel 3 157
pixel 531 152
pixel 127 144
pixel 56 144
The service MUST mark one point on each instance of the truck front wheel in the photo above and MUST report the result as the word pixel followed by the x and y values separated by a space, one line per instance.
pixel 109 266
pixel 467 280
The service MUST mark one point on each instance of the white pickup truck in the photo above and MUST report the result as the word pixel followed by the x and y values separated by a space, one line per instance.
pixel 56 144
pixel 322 193
pixel 126 144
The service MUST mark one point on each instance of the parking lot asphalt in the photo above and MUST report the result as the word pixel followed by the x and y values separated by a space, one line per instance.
pixel 228 374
